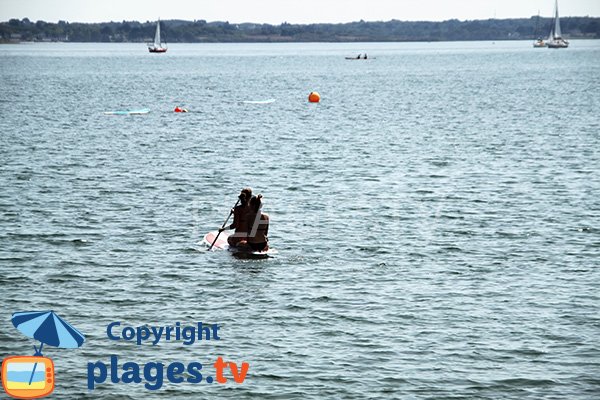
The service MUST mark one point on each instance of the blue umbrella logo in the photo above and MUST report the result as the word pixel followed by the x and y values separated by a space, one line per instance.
pixel 48 328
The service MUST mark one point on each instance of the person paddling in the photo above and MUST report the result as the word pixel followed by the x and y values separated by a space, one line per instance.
pixel 258 239
pixel 240 220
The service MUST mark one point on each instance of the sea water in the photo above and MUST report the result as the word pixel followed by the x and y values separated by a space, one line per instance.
pixel 435 215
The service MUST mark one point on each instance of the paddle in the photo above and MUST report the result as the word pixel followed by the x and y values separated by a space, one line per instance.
pixel 224 223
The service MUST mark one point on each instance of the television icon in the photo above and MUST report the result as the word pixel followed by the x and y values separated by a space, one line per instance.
pixel 27 377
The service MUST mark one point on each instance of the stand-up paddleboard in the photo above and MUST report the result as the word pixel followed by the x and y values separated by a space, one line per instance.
pixel 128 112
pixel 268 101
pixel 222 244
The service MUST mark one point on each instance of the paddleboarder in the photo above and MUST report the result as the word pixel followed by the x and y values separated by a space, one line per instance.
pixel 258 239
pixel 240 222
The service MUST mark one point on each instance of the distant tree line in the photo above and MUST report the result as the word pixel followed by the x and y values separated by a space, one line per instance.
pixel 180 31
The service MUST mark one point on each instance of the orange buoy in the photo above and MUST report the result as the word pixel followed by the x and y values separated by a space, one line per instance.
pixel 314 97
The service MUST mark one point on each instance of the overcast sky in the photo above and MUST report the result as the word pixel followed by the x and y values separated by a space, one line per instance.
pixel 292 11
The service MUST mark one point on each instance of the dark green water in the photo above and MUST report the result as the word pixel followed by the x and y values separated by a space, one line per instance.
pixel 436 215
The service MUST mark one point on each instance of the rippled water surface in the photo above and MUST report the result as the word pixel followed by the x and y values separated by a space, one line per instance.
pixel 436 215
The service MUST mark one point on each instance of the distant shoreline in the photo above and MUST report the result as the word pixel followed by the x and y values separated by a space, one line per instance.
pixel 289 42
pixel 200 31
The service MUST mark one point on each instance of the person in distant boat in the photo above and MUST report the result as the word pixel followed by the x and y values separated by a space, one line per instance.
pixel 258 239
pixel 358 56
pixel 365 56
pixel 240 220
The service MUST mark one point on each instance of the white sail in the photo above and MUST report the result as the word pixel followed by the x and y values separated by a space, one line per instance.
pixel 551 35
pixel 157 35
pixel 557 33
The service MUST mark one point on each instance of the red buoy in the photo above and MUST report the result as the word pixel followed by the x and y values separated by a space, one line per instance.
pixel 314 97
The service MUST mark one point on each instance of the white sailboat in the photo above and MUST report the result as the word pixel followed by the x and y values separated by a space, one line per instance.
pixel 555 40
pixel 157 46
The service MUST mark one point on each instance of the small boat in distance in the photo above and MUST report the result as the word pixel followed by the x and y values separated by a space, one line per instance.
pixel 555 40
pixel 359 57
pixel 157 46
pixel 539 41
